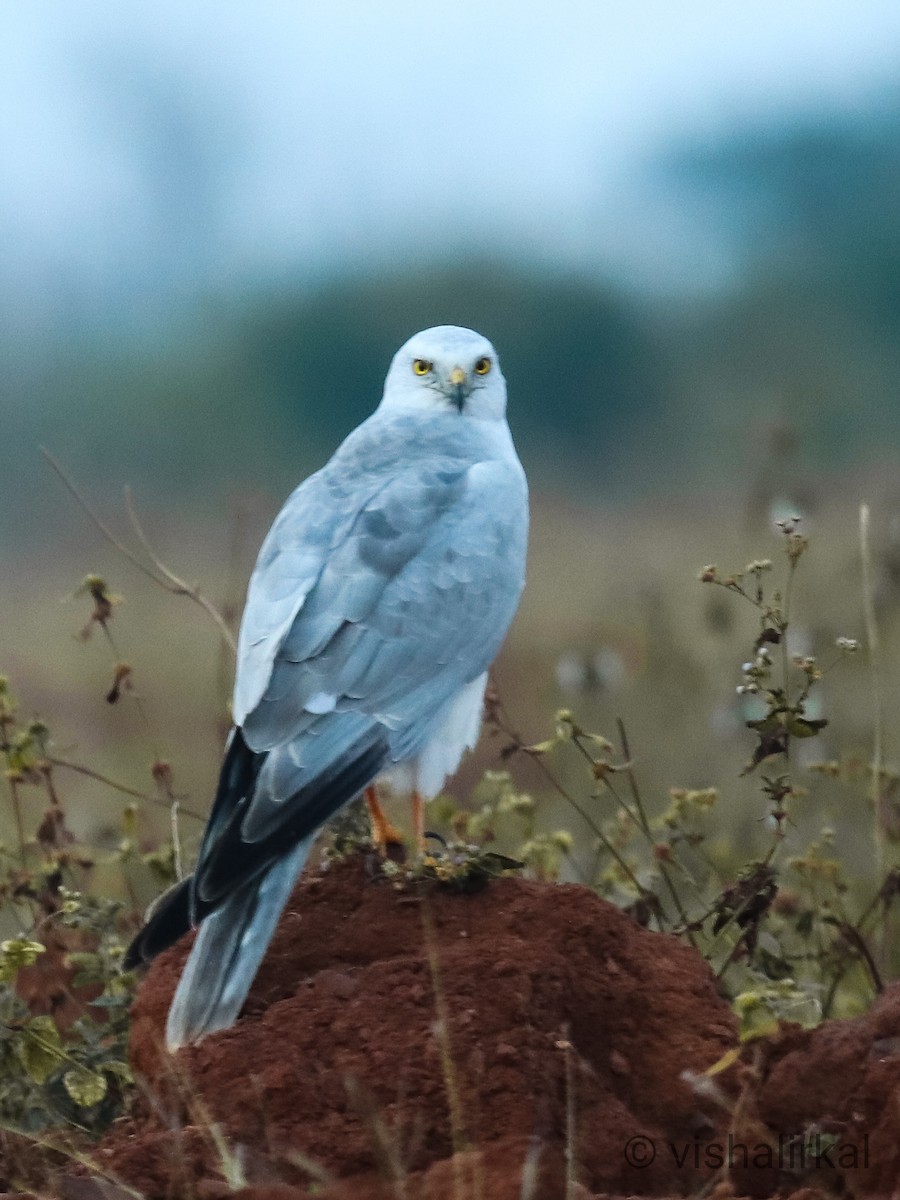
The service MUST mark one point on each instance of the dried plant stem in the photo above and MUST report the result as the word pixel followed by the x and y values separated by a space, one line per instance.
pixel 571 1149
pixel 594 828
pixel 16 802
pixel 12 785
pixel 458 1132
pixel 231 609
pixel 158 572
pixel 135 697
pixel 530 1169
pixel 783 625
pixel 166 579
pixel 873 646
pixel 644 824
pixel 121 787
pixel 176 840
pixel 177 586
pixel 73 1152
pixel 503 724
pixel 731 955
pixel 387 1151
pixel 164 779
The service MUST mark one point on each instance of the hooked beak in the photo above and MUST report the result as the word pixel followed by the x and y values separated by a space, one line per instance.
pixel 459 389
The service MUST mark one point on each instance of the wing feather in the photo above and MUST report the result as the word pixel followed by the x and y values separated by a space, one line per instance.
pixel 417 598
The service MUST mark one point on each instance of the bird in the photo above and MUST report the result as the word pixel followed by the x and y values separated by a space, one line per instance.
pixel 380 597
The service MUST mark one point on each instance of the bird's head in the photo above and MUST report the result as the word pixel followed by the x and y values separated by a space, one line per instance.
pixel 447 369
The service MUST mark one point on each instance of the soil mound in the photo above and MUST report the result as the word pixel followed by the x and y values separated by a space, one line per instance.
pixel 830 1097
pixel 525 1042
pixel 431 1043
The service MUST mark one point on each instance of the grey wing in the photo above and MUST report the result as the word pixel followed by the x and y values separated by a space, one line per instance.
pixel 412 604
pixel 313 521
pixel 441 620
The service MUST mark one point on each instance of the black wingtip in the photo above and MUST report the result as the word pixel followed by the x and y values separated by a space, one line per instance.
pixel 169 919
pixel 234 861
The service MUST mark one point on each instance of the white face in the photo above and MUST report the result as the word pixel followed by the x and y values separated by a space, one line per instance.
pixel 447 370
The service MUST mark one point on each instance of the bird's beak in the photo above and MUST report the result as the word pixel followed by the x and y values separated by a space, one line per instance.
pixel 458 382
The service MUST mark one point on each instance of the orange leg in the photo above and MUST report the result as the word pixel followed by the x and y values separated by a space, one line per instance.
pixel 418 807
pixel 383 832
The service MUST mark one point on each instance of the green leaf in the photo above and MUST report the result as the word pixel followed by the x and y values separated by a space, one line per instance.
pixel 112 1000
pixel 84 960
pixel 41 1048
pixel 802 728
pixel 805 922
pixel 86 1088
pixel 773 965
pixel 120 1069
pixel 755 1016
pixel 543 747
pixel 16 953
pixel 767 724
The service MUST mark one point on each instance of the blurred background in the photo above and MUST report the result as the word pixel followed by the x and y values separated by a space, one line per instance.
pixel 677 223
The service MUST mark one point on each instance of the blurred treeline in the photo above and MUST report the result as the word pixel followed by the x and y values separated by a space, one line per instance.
pixel 617 391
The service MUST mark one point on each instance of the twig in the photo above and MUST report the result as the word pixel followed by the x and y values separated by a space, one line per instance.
pixel 98 521
pixel 121 787
pixel 161 575
pixel 502 722
pixel 177 586
pixel 230 609
pixel 855 939
pixel 732 953
pixel 648 833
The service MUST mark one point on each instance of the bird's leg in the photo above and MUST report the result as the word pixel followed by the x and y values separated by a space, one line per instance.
pixel 383 832
pixel 418 807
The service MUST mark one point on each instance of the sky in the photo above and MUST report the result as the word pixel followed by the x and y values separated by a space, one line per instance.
pixel 208 141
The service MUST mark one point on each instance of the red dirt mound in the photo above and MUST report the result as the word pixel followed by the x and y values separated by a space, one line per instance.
pixel 463 1044
pixel 837 1087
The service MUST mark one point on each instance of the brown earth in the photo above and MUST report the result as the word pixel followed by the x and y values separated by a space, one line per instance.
pixel 842 1079
pixel 404 1045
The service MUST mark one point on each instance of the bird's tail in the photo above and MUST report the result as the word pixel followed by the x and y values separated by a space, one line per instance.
pixel 229 947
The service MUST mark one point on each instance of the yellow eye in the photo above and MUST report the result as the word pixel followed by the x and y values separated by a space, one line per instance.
pixel 482 366
pixel 421 366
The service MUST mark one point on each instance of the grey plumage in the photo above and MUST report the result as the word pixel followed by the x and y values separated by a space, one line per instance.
pixel 231 944
pixel 380 597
